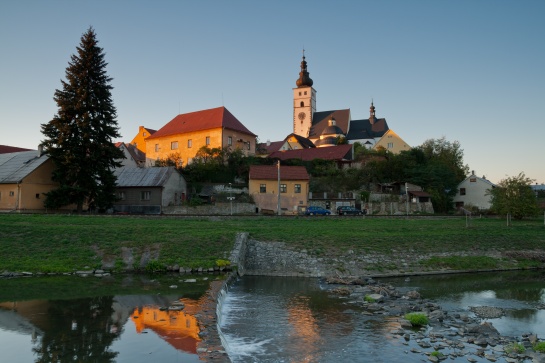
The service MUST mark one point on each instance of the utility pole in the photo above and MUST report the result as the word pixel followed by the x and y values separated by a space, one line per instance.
pixel 279 211
pixel 407 199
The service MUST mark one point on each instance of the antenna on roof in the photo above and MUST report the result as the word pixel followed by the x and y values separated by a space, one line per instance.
pixel 222 100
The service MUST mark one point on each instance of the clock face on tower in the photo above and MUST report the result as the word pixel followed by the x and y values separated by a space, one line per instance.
pixel 301 116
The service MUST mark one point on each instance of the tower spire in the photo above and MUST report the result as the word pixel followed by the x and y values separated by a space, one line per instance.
pixel 304 77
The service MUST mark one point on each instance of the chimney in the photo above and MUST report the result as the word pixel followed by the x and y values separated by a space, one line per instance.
pixel 268 142
pixel 40 150
pixel 472 172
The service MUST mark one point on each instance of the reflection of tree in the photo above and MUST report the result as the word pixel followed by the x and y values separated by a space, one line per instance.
pixel 79 332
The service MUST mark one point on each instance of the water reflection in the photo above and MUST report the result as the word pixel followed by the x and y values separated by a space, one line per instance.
pixel 111 328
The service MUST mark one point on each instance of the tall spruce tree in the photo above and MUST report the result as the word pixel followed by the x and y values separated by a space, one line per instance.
pixel 79 137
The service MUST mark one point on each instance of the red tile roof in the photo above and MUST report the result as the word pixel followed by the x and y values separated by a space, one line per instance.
pixel 339 152
pixel 201 120
pixel 270 172
pixel 5 149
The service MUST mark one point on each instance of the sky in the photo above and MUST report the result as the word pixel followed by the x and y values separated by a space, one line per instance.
pixel 472 71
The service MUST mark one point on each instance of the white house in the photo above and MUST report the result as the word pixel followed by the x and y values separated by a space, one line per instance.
pixel 473 192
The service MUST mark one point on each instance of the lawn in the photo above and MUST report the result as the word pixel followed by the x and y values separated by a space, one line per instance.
pixel 63 243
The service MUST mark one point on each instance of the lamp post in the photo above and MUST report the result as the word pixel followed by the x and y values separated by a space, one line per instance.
pixel 231 198
pixel 279 211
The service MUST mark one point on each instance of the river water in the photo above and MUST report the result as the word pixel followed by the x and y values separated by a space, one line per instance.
pixel 261 319
pixel 269 319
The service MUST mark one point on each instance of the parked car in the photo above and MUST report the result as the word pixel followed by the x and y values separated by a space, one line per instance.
pixel 317 211
pixel 347 210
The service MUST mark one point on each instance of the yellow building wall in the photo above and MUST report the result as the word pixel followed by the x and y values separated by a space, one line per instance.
pixel 290 202
pixel 219 138
pixel 391 142
pixel 29 194
pixel 140 139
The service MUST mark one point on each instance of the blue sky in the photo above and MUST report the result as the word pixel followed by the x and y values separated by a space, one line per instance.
pixel 472 71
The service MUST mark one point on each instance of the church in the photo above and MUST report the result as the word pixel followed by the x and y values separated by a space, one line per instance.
pixel 327 128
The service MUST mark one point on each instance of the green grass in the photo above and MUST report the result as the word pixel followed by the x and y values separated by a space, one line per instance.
pixel 461 263
pixel 514 347
pixel 58 243
pixel 539 347
pixel 417 319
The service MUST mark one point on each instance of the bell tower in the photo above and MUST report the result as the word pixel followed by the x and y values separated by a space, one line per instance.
pixel 304 102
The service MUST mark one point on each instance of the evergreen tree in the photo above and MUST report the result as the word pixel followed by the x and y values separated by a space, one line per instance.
pixel 79 137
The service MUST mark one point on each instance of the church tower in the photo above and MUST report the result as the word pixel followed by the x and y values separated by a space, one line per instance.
pixel 304 102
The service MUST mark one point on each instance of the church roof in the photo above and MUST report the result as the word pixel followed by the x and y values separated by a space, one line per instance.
pixel 364 129
pixel 320 121
pixel 270 172
pixel 340 152
pixel 213 118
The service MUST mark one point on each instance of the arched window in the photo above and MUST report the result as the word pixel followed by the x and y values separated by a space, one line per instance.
pixel 302 104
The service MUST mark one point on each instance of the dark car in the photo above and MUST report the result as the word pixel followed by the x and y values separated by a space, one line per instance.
pixel 347 210
pixel 317 211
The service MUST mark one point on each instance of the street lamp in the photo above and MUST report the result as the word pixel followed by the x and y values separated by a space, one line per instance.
pixel 407 199
pixel 231 198
pixel 279 211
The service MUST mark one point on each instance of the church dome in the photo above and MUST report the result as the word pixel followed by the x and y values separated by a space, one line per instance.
pixel 304 77
pixel 332 129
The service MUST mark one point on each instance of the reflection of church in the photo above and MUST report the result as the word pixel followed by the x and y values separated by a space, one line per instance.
pixel 329 128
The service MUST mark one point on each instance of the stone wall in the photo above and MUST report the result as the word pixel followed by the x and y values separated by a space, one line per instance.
pixel 212 209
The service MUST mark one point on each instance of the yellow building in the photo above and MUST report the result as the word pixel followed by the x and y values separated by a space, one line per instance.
pixel 263 187
pixel 24 179
pixel 184 135
pixel 391 142
pixel 140 139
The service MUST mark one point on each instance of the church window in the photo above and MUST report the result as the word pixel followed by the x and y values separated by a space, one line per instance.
pixel 305 93
pixel 302 104
pixel 173 145
pixel 299 93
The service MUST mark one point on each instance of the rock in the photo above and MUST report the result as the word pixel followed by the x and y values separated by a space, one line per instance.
pixel 484 328
pixel 413 295
pixel 99 272
pixel 487 312
pixel 376 297
pixel 190 280
pixel 173 286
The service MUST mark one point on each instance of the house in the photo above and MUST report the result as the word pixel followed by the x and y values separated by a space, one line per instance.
pixel 133 155
pixel 139 141
pixel 290 142
pixel 473 192
pixel 339 153
pixel 264 185
pixel 25 177
pixel 185 134
pixel 148 190
pixel 324 128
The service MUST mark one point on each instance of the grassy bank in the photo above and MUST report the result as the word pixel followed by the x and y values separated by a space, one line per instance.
pixel 59 243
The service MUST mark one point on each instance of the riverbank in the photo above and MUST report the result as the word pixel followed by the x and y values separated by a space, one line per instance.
pixel 368 245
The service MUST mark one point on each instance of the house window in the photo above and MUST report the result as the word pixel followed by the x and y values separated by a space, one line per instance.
pixel 283 188
pixel 11 193
pixel 207 140
pixel 472 180
pixel 146 195
pixel 189 143
pixel 297 188
pixel 156 147
pixel 121 195
pixel 390 145
pixel 462 191
pixel 173 145
pixel 263 188
pixel 144 134
pixel 0 195
pixel 248 145
pixel 229 141
pixel 37 195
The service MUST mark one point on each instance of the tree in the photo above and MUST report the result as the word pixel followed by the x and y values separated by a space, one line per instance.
pixel 79 137
pixel 514 196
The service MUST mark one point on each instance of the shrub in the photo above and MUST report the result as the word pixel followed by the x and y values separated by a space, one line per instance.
pixel 368 299
pixel 155 266
pixel 540 347
pixel 436 354
pixel 417 319
pixel 514 348
pixel 223 263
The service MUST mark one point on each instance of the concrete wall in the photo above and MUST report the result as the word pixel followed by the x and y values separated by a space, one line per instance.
pixel 212 209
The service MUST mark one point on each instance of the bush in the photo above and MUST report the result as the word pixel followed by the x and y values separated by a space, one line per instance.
pixel 368 299
pixel 223 263
pixel 417 319
pixel 540 347
pixel 514 348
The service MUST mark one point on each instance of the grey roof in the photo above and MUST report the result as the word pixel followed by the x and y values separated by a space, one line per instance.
pixel 364 129
pixel 14 167
pixel 320 120
pixel 143 177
